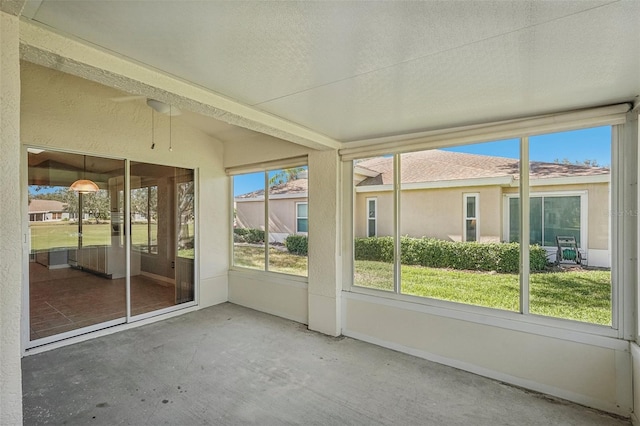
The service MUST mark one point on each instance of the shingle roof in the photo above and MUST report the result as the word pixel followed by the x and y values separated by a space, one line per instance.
pixel 296 186
pixel 41 206
pixel 437 165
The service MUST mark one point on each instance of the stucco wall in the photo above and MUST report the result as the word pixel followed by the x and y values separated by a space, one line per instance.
pixel 438 213
pixel 11 249
pixel 65 112
pixel 591 374
pixel 282 214
pixel 384 213
pixel 435 213
pixel 261 148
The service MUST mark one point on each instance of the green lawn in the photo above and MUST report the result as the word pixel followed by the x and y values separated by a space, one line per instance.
pixel 279 261
pixel 582 295
pixel 45 236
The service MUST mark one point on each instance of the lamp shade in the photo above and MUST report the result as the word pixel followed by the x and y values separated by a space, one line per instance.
pixel 84 186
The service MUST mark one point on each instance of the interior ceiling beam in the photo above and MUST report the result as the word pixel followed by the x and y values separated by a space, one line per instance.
pixel 47 48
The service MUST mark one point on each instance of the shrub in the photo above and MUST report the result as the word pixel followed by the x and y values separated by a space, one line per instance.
pixel 499 257
pixel 248 235
pixel 297 244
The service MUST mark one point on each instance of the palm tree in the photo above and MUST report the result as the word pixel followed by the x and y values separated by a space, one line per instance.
pixel 286 175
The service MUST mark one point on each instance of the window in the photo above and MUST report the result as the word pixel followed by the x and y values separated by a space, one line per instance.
pixel 550 216
pixel 471 217
pixel 412 242
pixel 270 208
pixel 372 228
pixel 302 219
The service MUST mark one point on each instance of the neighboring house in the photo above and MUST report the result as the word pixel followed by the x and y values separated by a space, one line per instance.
pixel 466 197
pixel 47 211
pixel 288 210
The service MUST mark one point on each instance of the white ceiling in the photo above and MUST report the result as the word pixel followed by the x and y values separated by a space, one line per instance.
pixel 360 70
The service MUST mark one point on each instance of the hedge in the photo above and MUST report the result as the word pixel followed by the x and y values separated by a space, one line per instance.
pixel 248 235
pixel 499 257
pixel 297 244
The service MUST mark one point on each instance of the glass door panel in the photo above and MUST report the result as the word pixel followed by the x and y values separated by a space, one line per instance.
pixel 77 259
pixel 162 237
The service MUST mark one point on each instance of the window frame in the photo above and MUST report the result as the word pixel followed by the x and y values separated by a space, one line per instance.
pixel 265 169
pixel 465 217
pixel 301 217
pixel 584 216
pixel 374 218
pixel 622 199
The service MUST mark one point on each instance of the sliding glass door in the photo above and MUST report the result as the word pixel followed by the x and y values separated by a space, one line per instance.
pixel 78 277
pixel 162 235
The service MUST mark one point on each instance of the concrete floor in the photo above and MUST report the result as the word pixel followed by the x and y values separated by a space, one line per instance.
pixel 230 365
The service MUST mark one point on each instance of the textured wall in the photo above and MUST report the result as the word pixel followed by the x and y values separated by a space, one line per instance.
pixel 597 375
pixel 10 218
pixel 325 262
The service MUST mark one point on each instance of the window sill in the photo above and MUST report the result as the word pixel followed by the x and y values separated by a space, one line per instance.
pixel 278 277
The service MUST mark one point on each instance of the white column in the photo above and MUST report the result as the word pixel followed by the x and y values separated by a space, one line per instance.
pixel 10 224
pixel 324 243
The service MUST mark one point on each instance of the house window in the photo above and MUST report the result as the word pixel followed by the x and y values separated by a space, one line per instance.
pixel 372 218
pixel 470 217
pixel 411 202
pixel 270 207
pixel 302 217
pixel 550 216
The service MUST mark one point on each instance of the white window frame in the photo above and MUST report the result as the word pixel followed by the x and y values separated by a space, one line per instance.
pixel 584 216
pixel 374 218
pixel 263 168
pixel 302 217
pixel 623 172
pixel 465 218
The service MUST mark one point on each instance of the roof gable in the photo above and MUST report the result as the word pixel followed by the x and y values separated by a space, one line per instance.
pixel 37 205
pixel 438 165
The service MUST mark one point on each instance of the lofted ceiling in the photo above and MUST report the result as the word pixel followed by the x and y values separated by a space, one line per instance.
pixel 360 70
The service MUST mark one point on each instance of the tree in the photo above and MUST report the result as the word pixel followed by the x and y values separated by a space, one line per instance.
pixel 144 202
pixel 186 214
pixel 286 175
pixel 97 204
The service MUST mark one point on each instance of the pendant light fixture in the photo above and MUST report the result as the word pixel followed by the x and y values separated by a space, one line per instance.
pixel 153 131
pixel 84 186
pixel 170 114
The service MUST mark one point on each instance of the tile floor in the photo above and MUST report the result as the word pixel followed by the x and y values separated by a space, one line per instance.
pixel 67 299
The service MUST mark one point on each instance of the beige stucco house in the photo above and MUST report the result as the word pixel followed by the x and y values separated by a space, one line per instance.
pixel 288 210
pixel 47 210
pixel 467 197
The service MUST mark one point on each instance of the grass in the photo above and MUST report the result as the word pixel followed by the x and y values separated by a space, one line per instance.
pixel 581 295
pixel 45 236
pixel 279 261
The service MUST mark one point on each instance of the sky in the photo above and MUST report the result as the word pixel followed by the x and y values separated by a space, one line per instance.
pixel 577 145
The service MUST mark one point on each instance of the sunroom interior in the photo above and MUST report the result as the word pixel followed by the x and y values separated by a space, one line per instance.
pixel 381 189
